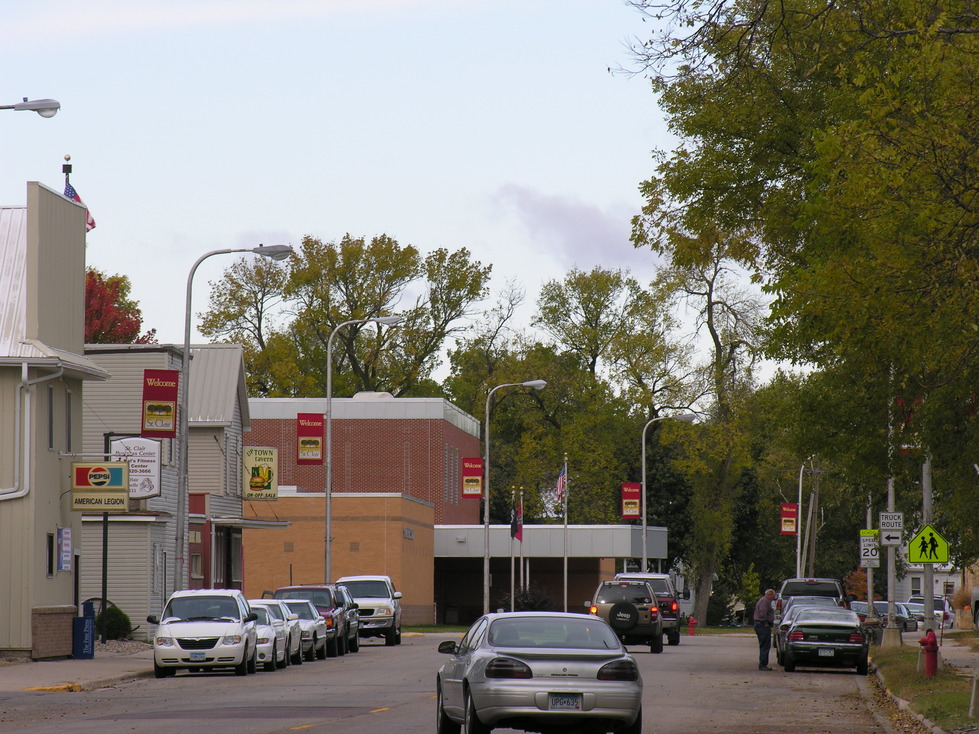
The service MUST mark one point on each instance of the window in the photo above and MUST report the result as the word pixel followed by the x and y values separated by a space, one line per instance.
pixel 196 565
pixel 49 561
pixel 915 586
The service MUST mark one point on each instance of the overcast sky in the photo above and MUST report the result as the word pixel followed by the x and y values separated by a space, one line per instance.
pixel 196 125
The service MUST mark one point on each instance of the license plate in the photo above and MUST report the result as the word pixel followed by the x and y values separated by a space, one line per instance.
pixel 826 652
pixel 565 702
pixel 197 657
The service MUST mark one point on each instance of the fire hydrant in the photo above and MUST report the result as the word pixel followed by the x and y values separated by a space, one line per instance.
pixel 929 646
pixel 693 623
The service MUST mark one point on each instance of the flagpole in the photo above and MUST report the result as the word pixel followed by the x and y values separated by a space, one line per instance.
pixel 523 586
pixel 513 522
pixel 567 489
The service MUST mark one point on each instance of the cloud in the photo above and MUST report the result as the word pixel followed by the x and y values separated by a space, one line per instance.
pixel 575 234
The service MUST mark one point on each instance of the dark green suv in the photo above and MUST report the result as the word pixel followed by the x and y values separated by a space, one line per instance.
pixel 630 608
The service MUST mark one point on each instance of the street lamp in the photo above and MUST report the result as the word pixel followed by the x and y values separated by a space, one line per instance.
pixel 686 418
pixel 328 539
pixel 537 385
pixel 43 107
pixel 275 252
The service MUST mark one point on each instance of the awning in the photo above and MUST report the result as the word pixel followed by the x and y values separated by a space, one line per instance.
pixel 240 522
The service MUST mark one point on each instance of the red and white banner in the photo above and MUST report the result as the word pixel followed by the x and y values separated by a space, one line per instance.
pixel 309 439
pixel 159 404
pixel 631 499
pixel 790 518
pixel 472 477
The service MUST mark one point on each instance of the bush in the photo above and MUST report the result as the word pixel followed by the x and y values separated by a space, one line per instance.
pixel 114 622
pixel 532 599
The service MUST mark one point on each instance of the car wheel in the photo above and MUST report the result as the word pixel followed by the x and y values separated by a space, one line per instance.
pixel 332 648
pixel 321 651
pixel 779 658
pixel 397 636
pixel 253 661
pixel 270 664
pixel 443 724
pixel 472 723
pixel 242 667
pixel 862 667
pixel 310 654
pixel 342 647
pixel 788 662
pixel 635 727
pixel 285 658
pixel 657 644
pixel 163 672
pixel 389 638
pixel 355 643
pixel 297 658
pixel 674 637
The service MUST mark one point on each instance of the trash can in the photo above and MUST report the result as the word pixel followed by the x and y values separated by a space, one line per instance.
pixel 83 633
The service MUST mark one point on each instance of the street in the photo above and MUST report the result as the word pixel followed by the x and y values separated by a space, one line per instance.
pixel 708 683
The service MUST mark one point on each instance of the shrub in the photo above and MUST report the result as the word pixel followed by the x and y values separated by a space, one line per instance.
pixel 114 622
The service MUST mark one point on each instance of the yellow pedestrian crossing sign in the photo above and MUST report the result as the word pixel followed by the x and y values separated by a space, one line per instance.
pixel 927 546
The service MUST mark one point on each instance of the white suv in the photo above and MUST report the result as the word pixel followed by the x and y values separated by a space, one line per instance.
pixel 379 606
pixel 205 628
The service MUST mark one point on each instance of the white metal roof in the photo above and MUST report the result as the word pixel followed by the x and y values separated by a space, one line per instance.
pixel 217 380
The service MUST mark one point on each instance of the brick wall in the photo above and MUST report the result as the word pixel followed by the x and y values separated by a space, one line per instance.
pixel 51 632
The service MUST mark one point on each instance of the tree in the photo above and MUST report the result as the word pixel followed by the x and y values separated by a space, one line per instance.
pixel 111 316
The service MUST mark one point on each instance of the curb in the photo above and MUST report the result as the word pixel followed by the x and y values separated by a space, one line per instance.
pixel 906 706
pixel 91 685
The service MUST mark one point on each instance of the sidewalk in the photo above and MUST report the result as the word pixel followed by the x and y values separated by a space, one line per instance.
pixel 105 669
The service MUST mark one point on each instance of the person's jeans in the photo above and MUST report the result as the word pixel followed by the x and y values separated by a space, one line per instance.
pixel 764 632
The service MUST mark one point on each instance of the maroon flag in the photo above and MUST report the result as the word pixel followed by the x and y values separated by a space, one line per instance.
pixel 516 521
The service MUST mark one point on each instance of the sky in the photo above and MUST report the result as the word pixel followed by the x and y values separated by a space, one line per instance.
pixel 196 125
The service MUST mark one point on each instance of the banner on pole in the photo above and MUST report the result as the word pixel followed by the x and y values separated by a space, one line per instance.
pixel 472 477
pixel 631 500
pixel 790 518
pixel 159 418
pixel 309 439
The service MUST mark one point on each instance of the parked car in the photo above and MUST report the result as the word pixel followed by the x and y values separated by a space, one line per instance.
pixel 667 601
pixel 313 627
pixel 903 619
pixel 351 616
pixel 294 632
pixel 204 629
pixel 271 642
pixel 941 608
pixel 537 671
pixel 324 599
pixel 781 628
pixel 829 587
pixel 379 605
pixel 629 607
pixel 788 603
pixel 826 638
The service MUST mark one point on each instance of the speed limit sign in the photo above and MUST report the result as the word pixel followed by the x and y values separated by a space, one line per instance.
pixel 869 549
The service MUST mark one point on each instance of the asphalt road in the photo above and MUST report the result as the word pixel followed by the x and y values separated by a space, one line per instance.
pixel 706 684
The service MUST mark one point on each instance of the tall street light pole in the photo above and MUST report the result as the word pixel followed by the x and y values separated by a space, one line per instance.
pixel 687 418
pixel 275 252
pixel 328 489
pixel 537 385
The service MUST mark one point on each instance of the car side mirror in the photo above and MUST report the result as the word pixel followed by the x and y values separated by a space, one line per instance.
pixel 153 619
pixel 293 616
pixel 686 593
pixel 397 595
pixel 354 605
pixel 587 604
pixel 447 647
pixel 251 617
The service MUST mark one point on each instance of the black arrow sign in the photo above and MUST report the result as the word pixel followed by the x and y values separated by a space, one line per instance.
pixel 892 537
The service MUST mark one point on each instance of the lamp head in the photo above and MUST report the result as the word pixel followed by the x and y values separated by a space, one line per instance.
pixel 43 107
pixel 275 252
pixel 536 384
pixel 685 417
pixel 387 320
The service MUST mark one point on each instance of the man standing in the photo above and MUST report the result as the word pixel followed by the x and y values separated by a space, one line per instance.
pixel 764 619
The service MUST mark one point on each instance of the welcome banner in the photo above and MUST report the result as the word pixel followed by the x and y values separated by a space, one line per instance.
pixel 309 439
pixel 159 403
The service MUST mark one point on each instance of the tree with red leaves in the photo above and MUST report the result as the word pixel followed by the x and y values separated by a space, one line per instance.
pixel 111 317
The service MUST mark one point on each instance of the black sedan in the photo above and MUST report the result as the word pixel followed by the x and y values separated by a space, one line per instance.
pixel 826 638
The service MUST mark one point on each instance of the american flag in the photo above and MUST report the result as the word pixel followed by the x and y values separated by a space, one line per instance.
pixel 70 193
pixel 562 483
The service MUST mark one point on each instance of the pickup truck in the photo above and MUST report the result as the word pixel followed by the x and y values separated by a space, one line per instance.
pixel 666 598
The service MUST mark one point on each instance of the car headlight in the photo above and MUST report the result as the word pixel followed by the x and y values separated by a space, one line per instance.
pixel 164 642
pixel 307 634
pixel 231 640
pixel 385 610
pixel 264 640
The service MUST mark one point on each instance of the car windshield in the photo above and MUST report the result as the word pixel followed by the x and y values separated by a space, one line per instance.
pixel 302 610
pixel 368 589
pixel 553 632
pixel 816 614
pixel 202 607
pixel 659 586
pixel 635 593
pixel 319 597
pixel 274 610
pixel 262 614
pixel 811 588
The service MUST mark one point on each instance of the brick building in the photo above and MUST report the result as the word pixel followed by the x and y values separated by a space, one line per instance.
pixel 396 475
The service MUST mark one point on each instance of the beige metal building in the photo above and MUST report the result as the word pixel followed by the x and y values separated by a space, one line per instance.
pixel 42 374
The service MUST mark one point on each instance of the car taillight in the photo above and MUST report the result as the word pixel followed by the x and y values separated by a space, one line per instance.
pixel 778 605
pixel 653 611
pixel 856 637
pixel 507 668
pixel 796 636
pixel 593 609
pixel 329 623
pixel 619 670
pixel 673 607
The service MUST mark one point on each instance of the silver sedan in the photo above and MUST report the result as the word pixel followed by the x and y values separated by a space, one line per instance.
pixel 539 671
